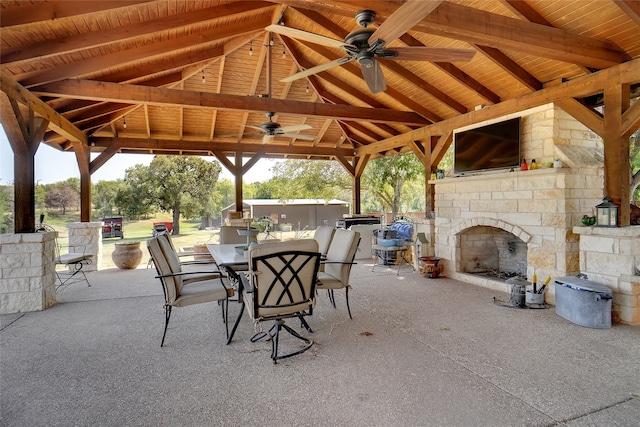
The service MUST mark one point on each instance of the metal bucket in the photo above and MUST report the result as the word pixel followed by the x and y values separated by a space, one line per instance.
pixel 518 295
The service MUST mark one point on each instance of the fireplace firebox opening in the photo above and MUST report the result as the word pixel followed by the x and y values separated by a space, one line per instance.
pixel 492 252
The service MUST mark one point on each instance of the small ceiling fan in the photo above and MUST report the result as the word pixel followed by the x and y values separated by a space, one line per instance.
pixel 272 129
pixel 366 45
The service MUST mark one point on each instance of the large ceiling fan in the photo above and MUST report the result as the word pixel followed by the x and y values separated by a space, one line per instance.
pixel 367 44
pixel 271 129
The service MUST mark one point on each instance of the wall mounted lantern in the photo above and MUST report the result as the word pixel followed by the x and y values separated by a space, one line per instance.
pixel 607 214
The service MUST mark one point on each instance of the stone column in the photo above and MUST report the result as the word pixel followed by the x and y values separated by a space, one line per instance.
pixel 610 256
pixel 27 272
pixel 86 237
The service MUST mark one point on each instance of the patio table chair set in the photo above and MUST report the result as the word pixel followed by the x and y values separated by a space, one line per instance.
pixel 280 281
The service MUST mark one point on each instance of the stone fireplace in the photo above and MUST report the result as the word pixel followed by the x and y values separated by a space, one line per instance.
pixel 529 222
pixel 520 222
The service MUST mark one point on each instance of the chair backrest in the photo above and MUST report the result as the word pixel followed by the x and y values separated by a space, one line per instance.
pixel 229 234
pixel 165 235
pixel 283 277
pixel 323 236
pixel 166 262
pixel 342 250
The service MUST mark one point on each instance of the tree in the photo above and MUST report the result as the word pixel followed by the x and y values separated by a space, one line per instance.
pixel 135 196
pixel 62 197
pixel 183 184
pixel 386 176
pixel 304 179
pixel 634 156
pixel 6 209
pixel 103 197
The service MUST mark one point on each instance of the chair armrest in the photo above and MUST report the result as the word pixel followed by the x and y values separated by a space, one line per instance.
pixel 246 285
pixel 186 273
pixel 198 261
pixel 338 262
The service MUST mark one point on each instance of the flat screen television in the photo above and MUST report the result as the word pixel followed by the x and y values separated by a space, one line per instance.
pixel 494 146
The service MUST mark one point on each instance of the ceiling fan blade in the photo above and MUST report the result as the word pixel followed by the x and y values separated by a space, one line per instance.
pixel 253 127
pixel 403 19
pixel 295 128
pixel 374 78
pixel 433 54
pixel 294 33
pixel 297 136
pixel 267 139
pixel 317 69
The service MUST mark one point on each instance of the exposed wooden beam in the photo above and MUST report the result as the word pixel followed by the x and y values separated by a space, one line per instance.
pixel 57 122
pixel 584 114
pixel 455 73
pixel 631 8
pixel 511 67
pixel 631 120
pixel 52 10
pixel 221 147
pixel 112 92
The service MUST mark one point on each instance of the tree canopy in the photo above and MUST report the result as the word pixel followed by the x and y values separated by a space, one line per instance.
pixel 177 184
pixel 386 176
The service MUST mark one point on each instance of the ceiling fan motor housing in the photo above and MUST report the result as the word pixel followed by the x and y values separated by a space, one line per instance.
pixel 364 18
pixel 270 128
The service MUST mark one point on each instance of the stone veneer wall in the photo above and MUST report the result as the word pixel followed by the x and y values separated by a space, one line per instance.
pixel 86 237
pixel 27 276
pixel 609 256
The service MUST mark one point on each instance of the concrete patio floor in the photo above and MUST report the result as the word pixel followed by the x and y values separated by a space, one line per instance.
pixel 417 352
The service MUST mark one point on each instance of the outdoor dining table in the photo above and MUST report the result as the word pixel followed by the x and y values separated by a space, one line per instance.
pixel 233 263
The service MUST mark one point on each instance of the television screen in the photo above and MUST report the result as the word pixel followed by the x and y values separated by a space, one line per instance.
pixel 495 146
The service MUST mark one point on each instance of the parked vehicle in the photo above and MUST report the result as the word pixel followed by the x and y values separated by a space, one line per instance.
pixel 112 227
pixel 161 227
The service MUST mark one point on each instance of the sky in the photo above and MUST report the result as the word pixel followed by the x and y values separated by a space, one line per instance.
pixel 53 166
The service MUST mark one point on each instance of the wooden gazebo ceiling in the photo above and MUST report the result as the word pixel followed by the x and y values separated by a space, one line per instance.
pixel 188 77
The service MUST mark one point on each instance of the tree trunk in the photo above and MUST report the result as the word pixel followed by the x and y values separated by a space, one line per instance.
pixel 397 190
pixel 176 220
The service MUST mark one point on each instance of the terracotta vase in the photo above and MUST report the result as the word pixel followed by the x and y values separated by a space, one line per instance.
pixel 127 255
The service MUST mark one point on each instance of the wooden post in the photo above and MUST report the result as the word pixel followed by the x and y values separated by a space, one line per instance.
pixel 617 177
pixel 24 131
pixel 237 173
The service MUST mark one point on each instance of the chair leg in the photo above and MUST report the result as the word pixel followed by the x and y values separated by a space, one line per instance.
pixel 332 298
pixel 235 325
pixel 346 294
pixel 77 270
pixel 304 324
pixel 167 315
pixel 275 337
pixel 225 311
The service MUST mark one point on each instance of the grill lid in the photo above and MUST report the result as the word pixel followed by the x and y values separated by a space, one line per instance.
pixel 582 284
